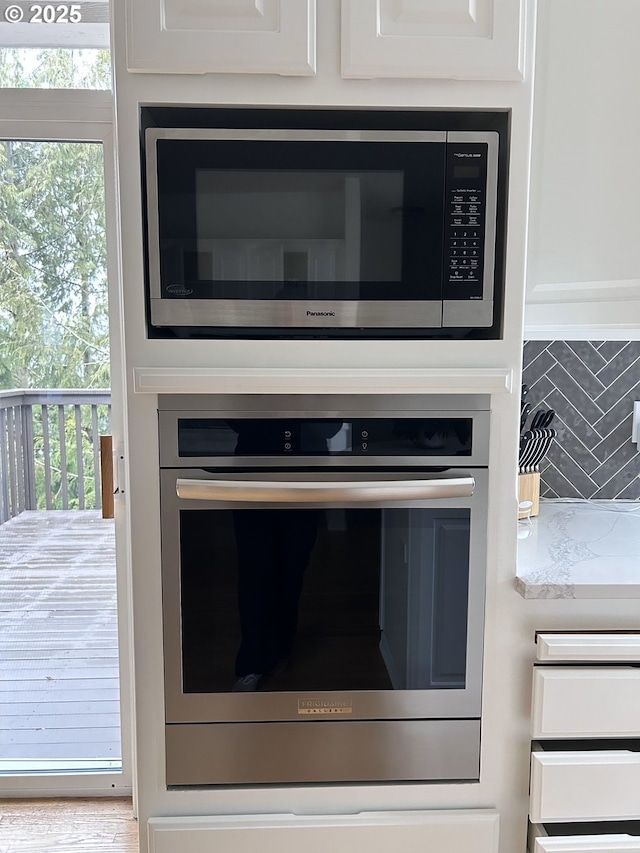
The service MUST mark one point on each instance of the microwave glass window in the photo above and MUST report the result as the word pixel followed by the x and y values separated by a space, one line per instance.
pixel 299 226
pixel 324 599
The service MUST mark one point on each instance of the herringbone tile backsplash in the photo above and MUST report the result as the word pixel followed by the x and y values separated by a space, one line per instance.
pixel 591 385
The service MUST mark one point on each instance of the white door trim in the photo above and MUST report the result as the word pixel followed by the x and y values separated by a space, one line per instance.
pixel 87 116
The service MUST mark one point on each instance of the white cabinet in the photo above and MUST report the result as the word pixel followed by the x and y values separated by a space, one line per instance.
pixel 597 778
pixel 541 842
pixel 572 702
pixel 455 831
pixel 583 276
pixel 456 39
pixel 235 36
pixel 586 785
pixel 570 648
pixel 453 39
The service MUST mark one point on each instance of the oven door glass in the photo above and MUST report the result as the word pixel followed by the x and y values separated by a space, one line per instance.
pixel 380 596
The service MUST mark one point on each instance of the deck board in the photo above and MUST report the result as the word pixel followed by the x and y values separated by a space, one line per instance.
pixel 59 684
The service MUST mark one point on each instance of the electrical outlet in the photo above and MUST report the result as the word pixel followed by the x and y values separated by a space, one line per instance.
pixel 635 424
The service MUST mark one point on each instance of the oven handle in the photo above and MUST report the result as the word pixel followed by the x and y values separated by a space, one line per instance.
pixel 274 491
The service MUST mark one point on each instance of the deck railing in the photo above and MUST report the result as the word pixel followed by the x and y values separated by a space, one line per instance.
pixel 50 449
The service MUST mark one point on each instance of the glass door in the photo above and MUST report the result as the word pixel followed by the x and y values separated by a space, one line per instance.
pixel 324 599
pixel 378 599
pixel 64 672
pixel 59 668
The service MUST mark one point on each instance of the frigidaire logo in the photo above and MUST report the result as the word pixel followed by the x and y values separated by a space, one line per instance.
pixel 321 313
pixel 179 290
pixel 325 706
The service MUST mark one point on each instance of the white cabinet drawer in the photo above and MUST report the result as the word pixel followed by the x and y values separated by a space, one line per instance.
pixel 584 838
pixel 585 702
pixel 587 844
pixel 595 647
pixel 584 786
pixel 455 831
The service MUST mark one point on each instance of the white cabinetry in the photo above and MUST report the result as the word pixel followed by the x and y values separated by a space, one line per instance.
pixel 456 39
pixel 583 277
pixel 455 831
pixel 598 779
pixel 236 36
pixel 589 701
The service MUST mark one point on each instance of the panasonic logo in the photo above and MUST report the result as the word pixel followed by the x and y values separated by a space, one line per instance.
pixel 321 313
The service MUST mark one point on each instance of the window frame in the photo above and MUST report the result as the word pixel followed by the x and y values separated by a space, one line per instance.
pixel 86 115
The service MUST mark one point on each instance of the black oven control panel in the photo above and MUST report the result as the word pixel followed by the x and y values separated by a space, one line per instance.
pixel 214 437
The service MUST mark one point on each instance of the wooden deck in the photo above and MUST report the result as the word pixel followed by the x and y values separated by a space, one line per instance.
pixel 59 685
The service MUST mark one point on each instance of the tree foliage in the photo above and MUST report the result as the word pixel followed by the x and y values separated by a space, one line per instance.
pixel 53 287
pixel 53 294
pixel 55 68
pixel 54 329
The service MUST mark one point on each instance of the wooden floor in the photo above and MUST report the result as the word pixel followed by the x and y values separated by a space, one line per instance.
pixel 59 685
pixel 68 826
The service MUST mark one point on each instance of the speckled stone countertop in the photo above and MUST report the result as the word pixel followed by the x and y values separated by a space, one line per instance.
pixel 580 549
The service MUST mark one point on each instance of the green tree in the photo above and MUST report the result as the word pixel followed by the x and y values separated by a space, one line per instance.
pixel 53 293
pixel 53 286
pixel 55 68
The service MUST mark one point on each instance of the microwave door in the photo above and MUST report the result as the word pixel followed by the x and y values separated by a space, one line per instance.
pixel 342 233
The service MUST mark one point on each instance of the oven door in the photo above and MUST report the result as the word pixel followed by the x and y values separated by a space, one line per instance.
pixel 356 595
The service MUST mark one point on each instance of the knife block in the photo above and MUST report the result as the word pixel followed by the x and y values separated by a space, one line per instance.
pixel 529 490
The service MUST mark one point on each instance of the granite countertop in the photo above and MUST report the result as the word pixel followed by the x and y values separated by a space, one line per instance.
pixel 580 549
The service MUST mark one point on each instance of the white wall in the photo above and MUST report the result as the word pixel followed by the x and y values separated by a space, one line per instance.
pixel 583 275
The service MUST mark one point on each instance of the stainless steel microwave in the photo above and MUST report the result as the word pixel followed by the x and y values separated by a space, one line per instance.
pixel 325 231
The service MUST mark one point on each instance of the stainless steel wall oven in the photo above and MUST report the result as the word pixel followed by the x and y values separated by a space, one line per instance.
pixel 323 571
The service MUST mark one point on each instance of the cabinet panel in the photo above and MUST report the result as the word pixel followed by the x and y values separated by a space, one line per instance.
pixel 244 36
pixel 585 786
pixel 588 647
pixel 586 702
pixel 455 831
pixel 458 39
pixel 587 844
pixel 583 277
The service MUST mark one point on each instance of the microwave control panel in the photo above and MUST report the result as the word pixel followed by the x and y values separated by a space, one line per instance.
pixel 465 220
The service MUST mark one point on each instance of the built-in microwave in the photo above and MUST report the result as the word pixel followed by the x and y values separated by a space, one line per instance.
pixel 306 223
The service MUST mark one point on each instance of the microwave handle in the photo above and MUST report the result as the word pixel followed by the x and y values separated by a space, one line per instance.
pixel 274 491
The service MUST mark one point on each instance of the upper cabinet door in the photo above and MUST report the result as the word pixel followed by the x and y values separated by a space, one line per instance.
pixel 456 39
pixel 583 271
pixel 228 36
